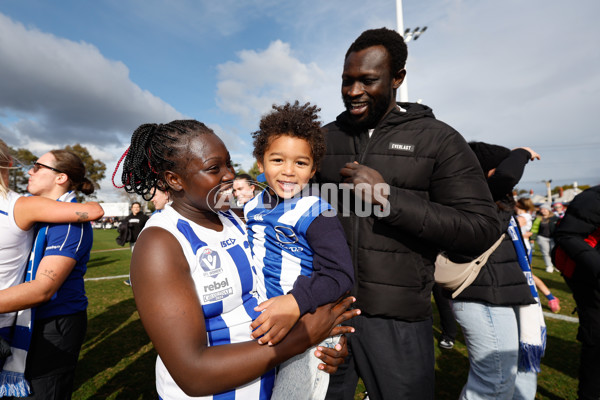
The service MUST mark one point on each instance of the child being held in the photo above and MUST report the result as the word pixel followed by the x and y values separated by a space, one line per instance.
pixel 299 248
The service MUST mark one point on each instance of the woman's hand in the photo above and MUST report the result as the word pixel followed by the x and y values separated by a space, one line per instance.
pixel 313 328
pixel 332 357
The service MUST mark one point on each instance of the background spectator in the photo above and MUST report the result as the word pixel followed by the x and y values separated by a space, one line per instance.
pixel 578 239
pixel 543 229
pixel 131 226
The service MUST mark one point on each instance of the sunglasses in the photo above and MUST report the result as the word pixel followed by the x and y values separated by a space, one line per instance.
pixel 36 167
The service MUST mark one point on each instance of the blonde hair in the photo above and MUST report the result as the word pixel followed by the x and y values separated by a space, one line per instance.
pixel 5 160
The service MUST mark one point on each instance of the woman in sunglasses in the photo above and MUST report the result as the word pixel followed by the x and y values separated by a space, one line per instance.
pixel 53 297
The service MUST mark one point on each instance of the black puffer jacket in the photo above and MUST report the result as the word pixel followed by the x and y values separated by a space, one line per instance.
pixel 439 200
pixel 582 219
pixel 501 280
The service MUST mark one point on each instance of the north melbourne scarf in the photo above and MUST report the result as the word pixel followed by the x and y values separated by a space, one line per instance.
pixel 532 328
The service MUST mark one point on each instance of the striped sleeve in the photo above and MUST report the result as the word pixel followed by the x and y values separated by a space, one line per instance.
pixel 65 240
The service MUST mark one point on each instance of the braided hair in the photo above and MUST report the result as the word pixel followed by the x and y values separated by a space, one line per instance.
pixel 154 149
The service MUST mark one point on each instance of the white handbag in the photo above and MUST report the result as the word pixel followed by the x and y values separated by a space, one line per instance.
pixel 457 277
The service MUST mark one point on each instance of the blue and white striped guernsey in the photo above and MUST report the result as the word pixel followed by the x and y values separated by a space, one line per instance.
pixel 220 265
pixel 278 241
pixel 15 245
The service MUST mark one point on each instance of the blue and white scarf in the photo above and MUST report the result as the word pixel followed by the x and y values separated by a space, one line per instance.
pixel 12 376
pixel 532 328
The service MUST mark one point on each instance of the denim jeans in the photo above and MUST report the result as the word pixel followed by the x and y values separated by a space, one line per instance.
pixel 299 377
pixel 546 245
pixel 492 338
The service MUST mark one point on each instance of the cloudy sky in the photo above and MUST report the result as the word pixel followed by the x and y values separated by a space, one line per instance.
pixel 516 73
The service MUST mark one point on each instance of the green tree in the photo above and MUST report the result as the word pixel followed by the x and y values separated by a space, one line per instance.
pixel 95 169
pixel 23 159
pixel 254 171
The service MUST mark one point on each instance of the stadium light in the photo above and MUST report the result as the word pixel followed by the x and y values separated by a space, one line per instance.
pixel 414 35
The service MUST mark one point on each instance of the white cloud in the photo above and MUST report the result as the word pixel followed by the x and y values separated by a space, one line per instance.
pixel 247 88
pixel 64 92
pixel 507 72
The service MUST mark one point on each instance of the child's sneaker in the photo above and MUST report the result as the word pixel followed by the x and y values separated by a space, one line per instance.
pixel 554 305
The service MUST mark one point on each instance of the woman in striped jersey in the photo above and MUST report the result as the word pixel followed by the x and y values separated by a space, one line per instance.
pixel 191 273
pixel 18 215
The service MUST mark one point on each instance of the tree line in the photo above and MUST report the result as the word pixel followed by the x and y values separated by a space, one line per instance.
pixel 24 160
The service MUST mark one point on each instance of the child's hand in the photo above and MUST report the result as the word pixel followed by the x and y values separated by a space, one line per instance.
pixel 279 315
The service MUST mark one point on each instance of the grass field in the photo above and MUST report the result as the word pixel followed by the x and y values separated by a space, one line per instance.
pixel 117 358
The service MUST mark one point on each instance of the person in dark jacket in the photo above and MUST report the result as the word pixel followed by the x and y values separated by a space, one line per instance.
pixel 543 229
pixel 419 189
pixel 134 222
pixel 578 235
pixel 488 309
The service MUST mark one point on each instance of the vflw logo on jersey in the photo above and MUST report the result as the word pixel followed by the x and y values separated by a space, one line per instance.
pixel 215 288
pixel 210 262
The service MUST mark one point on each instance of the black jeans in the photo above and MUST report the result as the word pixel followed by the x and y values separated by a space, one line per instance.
pixel 395 360
pixel 587 297
pixel 447 320
pixel 53 355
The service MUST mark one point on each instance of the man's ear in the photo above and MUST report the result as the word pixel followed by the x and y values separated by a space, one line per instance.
pixel 398 78
pixel 173 180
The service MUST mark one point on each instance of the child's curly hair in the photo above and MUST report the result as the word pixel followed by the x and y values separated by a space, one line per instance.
pixel 300 121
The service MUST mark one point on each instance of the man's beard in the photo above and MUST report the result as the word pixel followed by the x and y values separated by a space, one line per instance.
pixel 375 113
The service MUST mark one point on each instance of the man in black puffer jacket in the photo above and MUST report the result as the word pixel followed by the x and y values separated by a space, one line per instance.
pixel 578 235
pixel 424 192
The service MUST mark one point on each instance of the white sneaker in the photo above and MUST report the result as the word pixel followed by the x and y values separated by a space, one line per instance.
pixel 550 269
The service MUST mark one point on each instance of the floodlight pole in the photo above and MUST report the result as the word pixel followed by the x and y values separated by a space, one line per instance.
pixel 399 17
pixel 548 190
pixel 400 23
pixel 407 35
